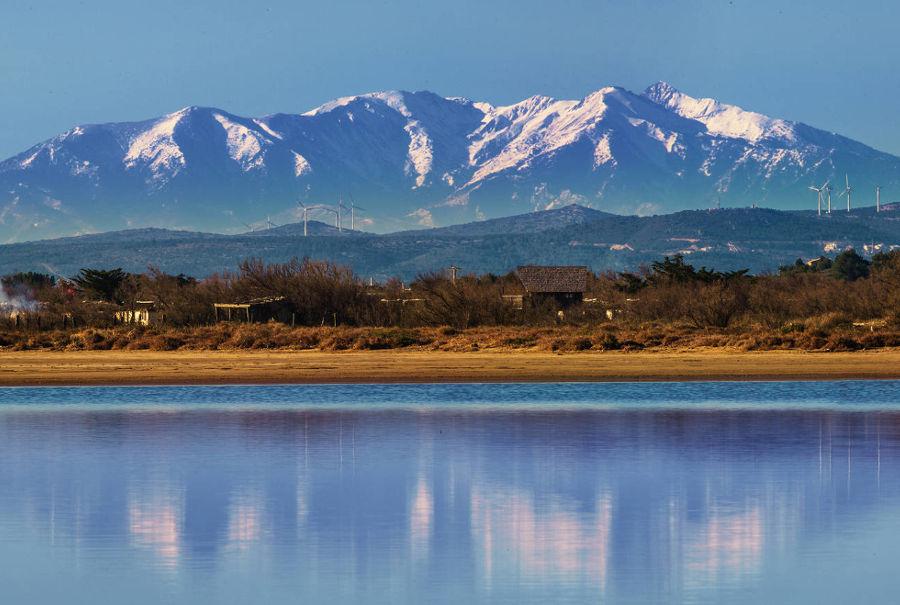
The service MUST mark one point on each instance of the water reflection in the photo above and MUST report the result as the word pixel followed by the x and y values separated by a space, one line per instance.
pixel 441 506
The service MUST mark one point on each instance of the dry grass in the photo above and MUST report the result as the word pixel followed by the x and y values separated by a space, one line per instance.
pixel 828 332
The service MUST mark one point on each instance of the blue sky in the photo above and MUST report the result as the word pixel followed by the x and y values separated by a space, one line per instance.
pixel 64 62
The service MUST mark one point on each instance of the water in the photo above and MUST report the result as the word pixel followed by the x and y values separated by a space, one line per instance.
pixel 576 493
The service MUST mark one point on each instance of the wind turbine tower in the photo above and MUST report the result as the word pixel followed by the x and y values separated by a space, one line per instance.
pixel 818 191
pixel 337 215
pixel 353 209
pixel 877 198
pixel 340 208
pixel 847 190
pixel 829 188
pixel 305 218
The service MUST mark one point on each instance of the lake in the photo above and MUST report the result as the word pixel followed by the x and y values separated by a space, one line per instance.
pixel 521 493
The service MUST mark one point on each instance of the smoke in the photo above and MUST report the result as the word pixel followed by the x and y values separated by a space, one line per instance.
pixel 16 303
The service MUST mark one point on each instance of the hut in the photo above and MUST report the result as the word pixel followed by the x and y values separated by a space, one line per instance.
pixel 143 312
pixel 564 286
pixel 256 310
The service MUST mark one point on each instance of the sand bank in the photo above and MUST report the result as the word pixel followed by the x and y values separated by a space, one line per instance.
pixel 34 368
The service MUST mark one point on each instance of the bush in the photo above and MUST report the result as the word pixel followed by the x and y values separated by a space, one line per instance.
pixel 610 343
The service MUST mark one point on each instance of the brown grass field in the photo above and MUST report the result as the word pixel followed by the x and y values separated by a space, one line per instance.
pixel 118 367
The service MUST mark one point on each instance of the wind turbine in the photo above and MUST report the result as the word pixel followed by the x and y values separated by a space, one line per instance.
pixel 337 214
pixel 305 218
pixel 828 190
pixel 847 191
pixel 308 209
pixel 340 208
pixel 877 198
pixel 819 191
pixel 353 209
pixel 269 223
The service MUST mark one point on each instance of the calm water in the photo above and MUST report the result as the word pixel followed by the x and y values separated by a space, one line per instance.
pixel 614 493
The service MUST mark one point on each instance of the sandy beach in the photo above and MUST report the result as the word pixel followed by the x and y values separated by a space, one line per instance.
pixel 271 367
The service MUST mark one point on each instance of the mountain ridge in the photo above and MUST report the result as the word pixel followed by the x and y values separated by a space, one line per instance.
pixel 727 239
pixel 416 158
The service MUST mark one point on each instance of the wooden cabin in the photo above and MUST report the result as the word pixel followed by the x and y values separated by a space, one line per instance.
pixel 562 285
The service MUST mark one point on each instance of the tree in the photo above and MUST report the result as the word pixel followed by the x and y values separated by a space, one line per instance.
pixel 103 283
pixel 850 266
pixel 674 270
pixel 30 280
pixel 629 283
pixel 886 260
pixel 823 263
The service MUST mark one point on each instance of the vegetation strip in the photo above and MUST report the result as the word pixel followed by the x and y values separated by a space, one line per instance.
pixel 843 304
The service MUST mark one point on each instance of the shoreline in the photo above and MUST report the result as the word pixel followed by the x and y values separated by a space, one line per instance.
pixel 123 368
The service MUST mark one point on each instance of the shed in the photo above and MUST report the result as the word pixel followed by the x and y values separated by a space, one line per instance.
pixel 143 312
pixel 564 285
pixel 255 310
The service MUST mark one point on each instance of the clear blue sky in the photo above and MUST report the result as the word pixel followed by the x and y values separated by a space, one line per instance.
pixel 832 64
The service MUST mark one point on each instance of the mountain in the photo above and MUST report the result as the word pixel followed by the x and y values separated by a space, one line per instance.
pixel 532 222
pixel 755 238
pixel 419 159
pixel 312 228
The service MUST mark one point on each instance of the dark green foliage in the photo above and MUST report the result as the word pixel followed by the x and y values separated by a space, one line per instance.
pixel 850 266
pixel 629 283
pixel 29 279
pixel 102 283
pixel 823 263
pixel 675 270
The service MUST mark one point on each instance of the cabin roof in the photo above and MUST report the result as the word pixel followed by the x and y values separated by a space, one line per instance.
pixel 549 280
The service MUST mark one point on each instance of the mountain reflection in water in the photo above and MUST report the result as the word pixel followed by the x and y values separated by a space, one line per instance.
pixel 456 505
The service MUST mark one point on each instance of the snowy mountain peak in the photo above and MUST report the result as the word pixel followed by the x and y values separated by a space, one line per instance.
pixel 408 156
pixel 394 99
pixel 720 118
pixel 660 92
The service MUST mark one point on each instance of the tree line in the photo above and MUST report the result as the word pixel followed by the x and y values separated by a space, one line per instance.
pixel 321 293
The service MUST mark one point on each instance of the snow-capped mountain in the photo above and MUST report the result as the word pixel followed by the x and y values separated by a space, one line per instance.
pixel 419 159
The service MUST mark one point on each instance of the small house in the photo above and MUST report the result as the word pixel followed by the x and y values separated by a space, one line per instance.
pixel 257 310
pixel 562 285
pixel 143 312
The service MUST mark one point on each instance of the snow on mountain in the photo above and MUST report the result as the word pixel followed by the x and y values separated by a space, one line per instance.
pixel 244 145
pixel 156 148
pixel 418 158
pixel 722 119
